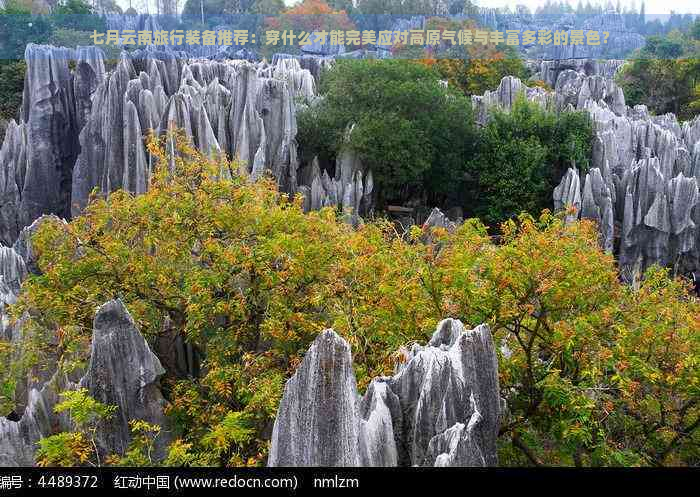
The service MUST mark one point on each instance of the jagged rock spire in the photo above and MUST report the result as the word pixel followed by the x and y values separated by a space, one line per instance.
pixel 441 408
pixel 642 184
pixel 85 128
pixel 123 372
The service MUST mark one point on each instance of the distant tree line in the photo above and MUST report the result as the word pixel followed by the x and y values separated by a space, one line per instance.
pixel 665 74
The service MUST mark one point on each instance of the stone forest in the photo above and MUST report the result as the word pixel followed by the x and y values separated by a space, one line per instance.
pixel 338 255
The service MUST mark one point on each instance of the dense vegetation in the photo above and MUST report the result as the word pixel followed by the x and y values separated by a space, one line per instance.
pixel 665 74
pixel 21 24
pixel 11 88
pixel 594 372
pixel 473 68
pixel 521 156
pixel 413 133
pixel 419 139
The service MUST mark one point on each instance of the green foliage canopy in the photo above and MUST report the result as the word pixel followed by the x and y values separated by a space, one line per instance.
pixel 665 75
pixel 412 132
pixel 594 372
pixel 520 158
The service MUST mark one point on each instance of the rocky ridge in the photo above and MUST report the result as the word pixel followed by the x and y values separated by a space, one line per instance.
pixel 122 371
pixel 642 184
pixel 441 407
pixel 85 128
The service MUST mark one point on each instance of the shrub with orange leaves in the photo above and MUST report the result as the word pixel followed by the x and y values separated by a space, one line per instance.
pixel 593 372
pixel 309 16
pixel 472 68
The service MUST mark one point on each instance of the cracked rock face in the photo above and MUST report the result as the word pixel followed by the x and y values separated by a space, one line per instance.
pixel 243 109
pixel 642 186
pixel 350 189
pixel 122 372
pixel 38 154
pixel 13 271
pixel 85 128
pixel 441 408
pixel 317 423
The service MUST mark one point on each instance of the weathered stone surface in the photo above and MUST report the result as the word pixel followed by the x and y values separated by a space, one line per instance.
pixel 505 96
pixel 567 195
pixel 37 156
pixel 23 243
pixel 13 165
pixel 437 219
pixel 317 423
pixel 48 109
pixel 597 205
pixel 18 438
pixel 84 129
pixel 122 372
pixel 13 271
pixel 350 188
pixel 441 408
pixel 644 169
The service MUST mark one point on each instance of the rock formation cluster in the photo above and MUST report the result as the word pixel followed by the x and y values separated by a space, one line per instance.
pixel 83 128
pixel 440 408
pixel 122 371
pixel 642 184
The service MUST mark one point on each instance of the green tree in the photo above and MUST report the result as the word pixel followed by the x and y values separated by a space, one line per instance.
pixel 213 11
pixel 77 15
pixel 413 133
pixel 77 447
pixel 521 156
pixel 18 27
pixel 239 271
pixel 665 75
pixel 11 88
pixel 267 7
pixel 474 68
pixel 593 372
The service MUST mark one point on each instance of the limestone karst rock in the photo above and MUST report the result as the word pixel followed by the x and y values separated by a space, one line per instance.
pixel 13 271
pixel 13 165
pixel 509 89
pixel 18 438
pixel 23 243
pixel 642 185
pixel 312 63
pixel 82 128
pixel 38 154
pixel 621 41
pixel 317 419
pixel 597 205
pixel 350 188
pixel 567 195
pixel 85 128
pixel 441 408
pixel 48 111
pixel 437 219
pixel 122 372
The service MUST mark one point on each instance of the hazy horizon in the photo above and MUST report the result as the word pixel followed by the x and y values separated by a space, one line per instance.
pixel 653 8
